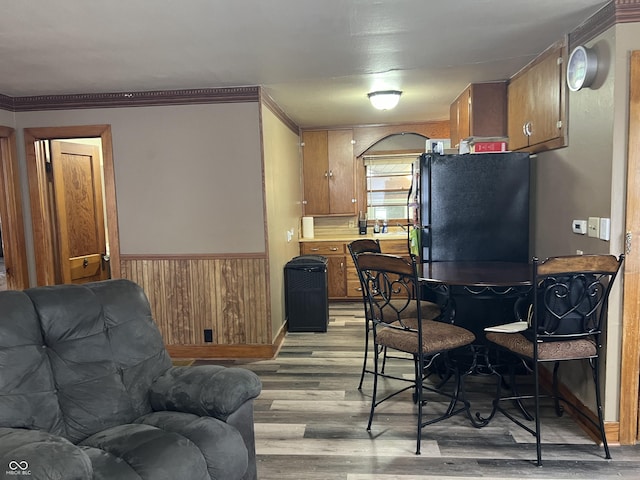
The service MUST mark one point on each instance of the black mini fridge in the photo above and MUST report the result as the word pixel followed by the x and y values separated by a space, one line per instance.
pixel 306 294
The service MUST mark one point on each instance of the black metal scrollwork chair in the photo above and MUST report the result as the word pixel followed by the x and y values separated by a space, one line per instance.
pixel 391 287
pixel 568 307
pixel 430 310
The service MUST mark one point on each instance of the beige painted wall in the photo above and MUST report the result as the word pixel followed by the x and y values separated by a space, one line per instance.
pixel 588 178
pixel 284 209
pixel 188 178
pixel 7 119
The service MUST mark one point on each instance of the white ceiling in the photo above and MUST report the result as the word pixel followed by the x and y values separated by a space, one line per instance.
pixel 316 59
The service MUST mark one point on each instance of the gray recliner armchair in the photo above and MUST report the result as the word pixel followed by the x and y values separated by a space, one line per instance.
pixel 88 391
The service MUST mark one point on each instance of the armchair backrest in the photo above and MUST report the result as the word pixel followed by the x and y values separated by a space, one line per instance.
pixel 390 283
pixel 76 359
pixel 572 294
pixel 363 245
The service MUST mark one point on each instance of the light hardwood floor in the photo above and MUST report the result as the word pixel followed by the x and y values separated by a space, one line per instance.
pixel 311 421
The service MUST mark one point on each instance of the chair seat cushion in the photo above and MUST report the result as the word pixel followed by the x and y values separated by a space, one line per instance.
pixel 436 336
pixel 547 351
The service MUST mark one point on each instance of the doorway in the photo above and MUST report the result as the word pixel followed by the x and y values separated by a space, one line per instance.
pixel 630 364
pixel 73 204
pixel 14 255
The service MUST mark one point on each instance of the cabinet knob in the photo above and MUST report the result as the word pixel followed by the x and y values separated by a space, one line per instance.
pixel 330 173
pixel 326 174
pixel 334 249
pixel 526 129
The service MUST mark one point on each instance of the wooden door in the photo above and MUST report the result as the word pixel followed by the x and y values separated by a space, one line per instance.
pixel 342 183
pixel 15 255
pixel 629 366
pixel 78 212
pixel 315 171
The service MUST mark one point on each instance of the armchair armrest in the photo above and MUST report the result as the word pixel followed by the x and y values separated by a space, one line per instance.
pixel 42 456
pixel 204 390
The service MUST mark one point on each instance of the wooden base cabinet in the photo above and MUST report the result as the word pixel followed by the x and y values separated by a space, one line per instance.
pixel 393 247
pixel 343 282
pixel 328 166
pixel 336 264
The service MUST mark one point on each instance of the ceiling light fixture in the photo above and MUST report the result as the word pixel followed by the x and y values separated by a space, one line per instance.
pixel 384 99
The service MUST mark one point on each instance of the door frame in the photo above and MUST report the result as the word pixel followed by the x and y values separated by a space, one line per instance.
pixel 15 253
pixel 630 355
pixel 40 216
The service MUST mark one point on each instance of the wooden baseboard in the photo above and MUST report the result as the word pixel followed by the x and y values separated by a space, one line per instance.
pixel 611 429
pixel 227 352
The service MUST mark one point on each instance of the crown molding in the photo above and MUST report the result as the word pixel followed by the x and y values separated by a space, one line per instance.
pixel 6 103
pixel 627 11
pixel 131 99
pixel 614 12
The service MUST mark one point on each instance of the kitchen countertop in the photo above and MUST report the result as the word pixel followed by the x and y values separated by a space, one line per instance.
pixel 348 237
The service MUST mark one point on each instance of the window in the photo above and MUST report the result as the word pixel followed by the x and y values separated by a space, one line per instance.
pixel 388 184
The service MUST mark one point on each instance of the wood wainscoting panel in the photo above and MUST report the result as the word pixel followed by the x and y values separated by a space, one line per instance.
pixel 189 295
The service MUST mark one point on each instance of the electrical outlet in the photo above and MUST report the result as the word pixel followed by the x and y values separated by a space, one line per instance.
pixel 593 227
pixel 208 335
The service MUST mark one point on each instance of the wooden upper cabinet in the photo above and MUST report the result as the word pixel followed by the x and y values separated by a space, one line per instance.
pixel 480 111
pixel 328 168
pixel 315 154
pixel 537 103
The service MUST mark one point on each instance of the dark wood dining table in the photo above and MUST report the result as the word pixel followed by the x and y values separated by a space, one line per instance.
pixel 477 275
pixel 476 295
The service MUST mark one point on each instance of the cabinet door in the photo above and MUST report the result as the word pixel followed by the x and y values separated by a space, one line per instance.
pixel 395 247
pixel 537 103
pixel 341 172
pixel 315 169
pixel 488 109
pixel 546 118
pixel 464 114
pixel 453 124
pixel 480 111
pixel 519 110
pixel 337 276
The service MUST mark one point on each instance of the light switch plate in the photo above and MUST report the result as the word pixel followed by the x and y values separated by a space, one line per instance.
pixel 593 227
pixel 605 229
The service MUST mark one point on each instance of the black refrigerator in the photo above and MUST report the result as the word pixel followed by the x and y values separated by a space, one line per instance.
pixel 471 207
